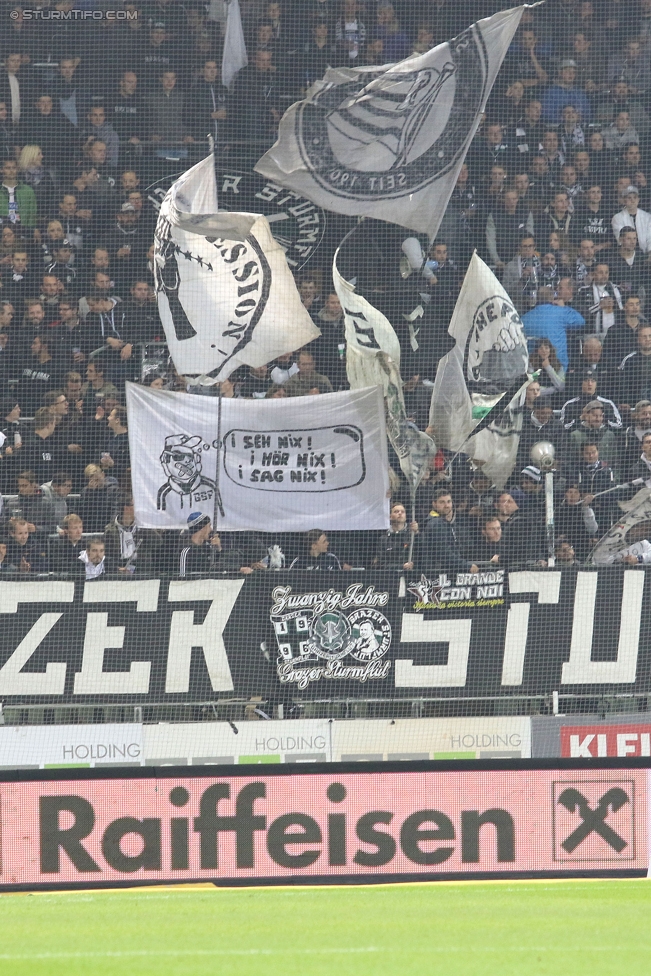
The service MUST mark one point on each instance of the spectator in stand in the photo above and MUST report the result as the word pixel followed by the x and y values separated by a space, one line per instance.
pixel 34 172
pixel 622 337
pixel 618 99
pixel 634 371
pixel 5 565
pixel 210 104
pixel 98 128
pixel 307 382
pixel 39 375
pixel 632 66
pixel 393 548
pixel 99 502
pixel 620 134
pixel 202 552
pixel 521 275
pixel 115 454
pixel 256 107
pixel 489 547
pixel 505 227
pixel 31 504
pixel 592 220
pixel 27 552
pixel 564 92
pixel 551 321
pixel 17 200
pixel 575 520
pixel 539 424
pixel 130 549
pixel 521 540
pixel 573 408
pixel 41 449
pixel 14 86
pixel 629 268
pixel 444 539
pixel 642 467
pixel 56 493
pixel 93 558
pixel 556 217
pixel 66 549
pixel 489 150
pixel 551 374
pixel 600 301
pixel 126 111
pixel 316 555
pixel 631 440
pixel 350 34
pixel 594 430
pixel 167 113
pixel 633 216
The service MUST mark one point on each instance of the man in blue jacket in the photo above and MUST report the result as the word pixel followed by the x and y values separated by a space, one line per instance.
pixel 551 321
pixel 564 92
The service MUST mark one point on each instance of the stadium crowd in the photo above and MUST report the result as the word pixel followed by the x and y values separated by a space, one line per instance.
pixel 555 195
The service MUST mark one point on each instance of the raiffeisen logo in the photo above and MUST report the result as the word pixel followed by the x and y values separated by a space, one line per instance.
pixel 361 821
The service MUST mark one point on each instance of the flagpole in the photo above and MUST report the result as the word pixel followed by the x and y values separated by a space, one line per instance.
pixel 412 494
pixel 218 507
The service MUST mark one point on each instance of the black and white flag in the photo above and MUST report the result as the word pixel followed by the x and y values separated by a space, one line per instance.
pixel 373 358
pixel 289 464
pixel 489 358
pixel 226 296
pixel 389 142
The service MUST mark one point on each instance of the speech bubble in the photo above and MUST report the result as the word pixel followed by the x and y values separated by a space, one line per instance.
pixel 315 459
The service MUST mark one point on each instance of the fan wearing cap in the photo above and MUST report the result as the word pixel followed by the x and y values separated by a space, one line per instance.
pixel 202 550
pixel 632 216
pixel 532 486
pixel 125 241
pixel 565 92
pixel 572 409
pixel 593 430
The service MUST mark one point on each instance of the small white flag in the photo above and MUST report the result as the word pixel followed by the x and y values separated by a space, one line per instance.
pixel 373 358
pixel 234 57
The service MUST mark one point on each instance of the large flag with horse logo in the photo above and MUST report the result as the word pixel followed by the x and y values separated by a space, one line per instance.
pixel 373 357
pixel 389 142
pixel 226 296
pixel 489 359
pixel 292 464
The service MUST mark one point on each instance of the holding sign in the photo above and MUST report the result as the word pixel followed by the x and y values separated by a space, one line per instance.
pixel 280 464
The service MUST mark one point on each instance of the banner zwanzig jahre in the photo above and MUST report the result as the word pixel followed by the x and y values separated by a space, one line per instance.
pixel 324 635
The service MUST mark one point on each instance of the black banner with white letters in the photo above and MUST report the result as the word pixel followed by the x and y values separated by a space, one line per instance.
pixel 320 635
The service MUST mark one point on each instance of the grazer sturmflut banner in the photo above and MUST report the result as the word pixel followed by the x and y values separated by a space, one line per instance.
pixel 321 635
pixel 294 464
pixel 389 142
pixel 369 822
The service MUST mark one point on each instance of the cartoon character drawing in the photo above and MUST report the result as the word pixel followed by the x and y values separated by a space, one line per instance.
pixel 181 462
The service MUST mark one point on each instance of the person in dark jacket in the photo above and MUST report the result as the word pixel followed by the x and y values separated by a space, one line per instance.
pixel 316 555
pixel 442 541
pixel 99 502
pixel 522 540
pixel 201 551
pixel 65 551
pixel 393 549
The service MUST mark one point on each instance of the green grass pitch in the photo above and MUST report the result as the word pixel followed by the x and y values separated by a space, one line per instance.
pixel 599 928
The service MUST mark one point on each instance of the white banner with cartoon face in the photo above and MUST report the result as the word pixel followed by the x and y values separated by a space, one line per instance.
pixel 285 465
